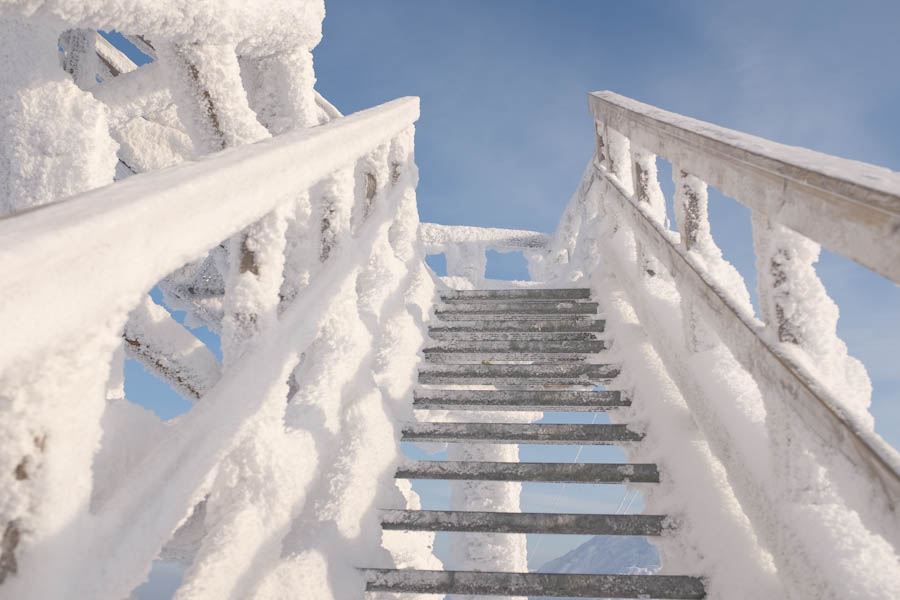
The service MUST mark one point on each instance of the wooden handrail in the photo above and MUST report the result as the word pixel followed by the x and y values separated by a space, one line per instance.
pixel 849 207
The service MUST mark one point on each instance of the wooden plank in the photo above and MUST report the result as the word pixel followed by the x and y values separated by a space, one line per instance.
pixel 567 585
pixel 847 206
pixel 510 522
pixel 809 402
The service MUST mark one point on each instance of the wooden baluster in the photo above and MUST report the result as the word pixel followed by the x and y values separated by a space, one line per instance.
pixel 691 201
pixel 650 199
pixel 280 89
pixel 372 175
pixel 619 159
pixel 208 91
pixel 797 310
pixel 601 144
pixel 404 231
pixel 336 195
pixel 467 261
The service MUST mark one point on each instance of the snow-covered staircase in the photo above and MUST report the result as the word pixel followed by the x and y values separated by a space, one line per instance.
pixel 216 176
pixel 535 347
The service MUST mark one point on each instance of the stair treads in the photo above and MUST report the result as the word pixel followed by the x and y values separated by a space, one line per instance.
pixel 512 336
pixel 504 522
pixel 559 307
pixel 534 472
pixel 512 374
pixel 539 400
pixel 561 585
pixel 452 315
pixel 567 293
pixel 520 433
pixel 510 346
pixel 569 324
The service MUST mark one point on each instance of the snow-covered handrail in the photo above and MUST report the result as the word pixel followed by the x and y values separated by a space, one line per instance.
pixel 850 207
pixel 228 191
pixel 322 249
pixel 438 237
pixel 815 446
pixel 464 247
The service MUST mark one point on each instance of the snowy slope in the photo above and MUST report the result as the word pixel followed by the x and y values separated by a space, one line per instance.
pixel 607 554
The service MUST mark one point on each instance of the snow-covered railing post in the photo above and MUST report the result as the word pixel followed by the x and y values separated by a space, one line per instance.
pixel 465 247
pixel 825 480
pixel 650 198
pixel 267 295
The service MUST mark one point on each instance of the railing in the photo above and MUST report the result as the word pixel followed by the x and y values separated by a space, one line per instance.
pixel 54 372
pixel 465 248
pixel 795 438
pixel 320 277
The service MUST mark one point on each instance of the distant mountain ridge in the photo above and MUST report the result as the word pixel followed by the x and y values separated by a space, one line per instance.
pixel 607 554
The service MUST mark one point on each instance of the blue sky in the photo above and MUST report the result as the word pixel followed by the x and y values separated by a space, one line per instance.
pixel 504 133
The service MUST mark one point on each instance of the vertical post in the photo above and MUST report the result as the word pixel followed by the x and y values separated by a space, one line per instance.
pixel 208 91
pixel 690 202
pixel 280 89
pixel 619 159
pixel 650 199
pixel 798 311
pixel 467 261
pixel 601 144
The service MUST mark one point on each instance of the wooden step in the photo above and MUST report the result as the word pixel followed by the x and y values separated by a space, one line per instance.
pixel 559 585
pixel 512 336
pixel 520 433
pixel 520 400
pixel 523 346
pixel 560 307
pixel 534 294
pixel 569 324
pixel 453 315
pixel 505 522
pixel 535 472
pixel 522 351
pixel 512 374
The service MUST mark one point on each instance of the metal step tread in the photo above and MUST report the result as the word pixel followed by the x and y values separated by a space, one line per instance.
pixel 527 400
pixel 569 324
pixel 513 336
pixel 530 346
pixel 507 522
pixel 452 316
pixel 558 307
pixel 545 293
pixel 521 471
pixel 520 433
pixel 533 374
pixel 561 585
pixel 505 357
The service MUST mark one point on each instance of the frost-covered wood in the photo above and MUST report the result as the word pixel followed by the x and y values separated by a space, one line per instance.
pixel 849 207
pixel 798 395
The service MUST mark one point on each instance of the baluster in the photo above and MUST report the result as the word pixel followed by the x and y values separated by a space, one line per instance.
pixel 797 310
pixel 619 159
pixel 301 250
pixel 80 56
pixel 404 231
pixel 466 260
pixel 650 199
pixel 371 174
pixel 280 89
pixel 208 91
pixel 253 282
pixel 334 208
pixel 601 144
pixel 691 203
